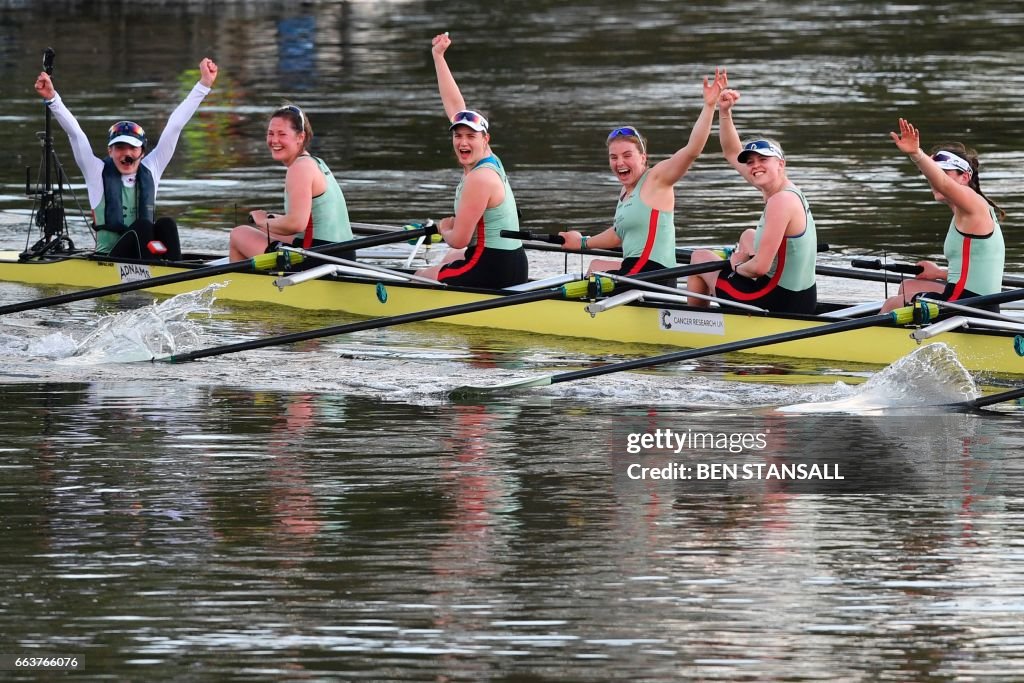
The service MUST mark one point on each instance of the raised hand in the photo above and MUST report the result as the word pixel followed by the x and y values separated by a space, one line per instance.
pixel 440 43
pixel 713 90
pixel 908 140
pixel 44 86
pixel 208 69
pixel 728 98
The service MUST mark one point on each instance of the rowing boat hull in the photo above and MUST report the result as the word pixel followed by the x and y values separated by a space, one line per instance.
pixel 981 352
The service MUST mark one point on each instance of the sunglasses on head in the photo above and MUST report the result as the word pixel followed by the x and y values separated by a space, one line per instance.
pixel 629 132
pixel 468 116
pixel 291 108
pixel 958 162
pixel 127 128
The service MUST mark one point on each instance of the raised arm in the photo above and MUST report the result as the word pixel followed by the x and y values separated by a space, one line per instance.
pixel 669 171
pixel 962 198
pixel 161 155
pixel 90 165
pixel 451 97
pixel 728 136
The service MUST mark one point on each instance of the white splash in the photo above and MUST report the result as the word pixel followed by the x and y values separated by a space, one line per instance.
pixel 52 346
pixel 56 345
pixel 929 376
pixel 163 328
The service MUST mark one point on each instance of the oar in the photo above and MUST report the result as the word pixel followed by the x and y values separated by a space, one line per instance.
pixel 571 290
pixel 541 241
pixel 545 242
pixel 256 263
pixel 1003 297
pixel 378 229
pixel 574 289
pixel 914 269
pixel 901 316
pixel 992 399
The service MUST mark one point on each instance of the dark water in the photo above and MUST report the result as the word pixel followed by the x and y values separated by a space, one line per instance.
pixel 239 535
pixel 323 513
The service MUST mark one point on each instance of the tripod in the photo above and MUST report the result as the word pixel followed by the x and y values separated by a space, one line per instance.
pixel 48 210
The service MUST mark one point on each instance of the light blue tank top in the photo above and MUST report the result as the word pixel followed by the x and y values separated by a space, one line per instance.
pixel 504 216
pixel 801 251
pixel 633 219
pixel 329 214
pixel 983 261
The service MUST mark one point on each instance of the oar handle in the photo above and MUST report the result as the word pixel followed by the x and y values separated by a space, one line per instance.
pixel 876 264
pixel 532 236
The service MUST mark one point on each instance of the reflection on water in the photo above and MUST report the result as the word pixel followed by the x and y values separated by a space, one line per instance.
pixel 279 532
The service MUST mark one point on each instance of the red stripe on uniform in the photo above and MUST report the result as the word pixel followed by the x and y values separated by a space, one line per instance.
pixel 307 238
pixel 468 265
pixel 965 266
pixel 726 286
pixel 645 256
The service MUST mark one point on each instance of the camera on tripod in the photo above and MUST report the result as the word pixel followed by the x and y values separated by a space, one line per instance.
pixel 48 212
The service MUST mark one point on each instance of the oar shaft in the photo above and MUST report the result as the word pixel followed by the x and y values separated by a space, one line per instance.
pixel 540 241
pixel 545 242
pixel 210 271
pixel 500 301
pixel 992 399
pixel 993 299
pixel 836 271
pixel 373 323
pixel 728 347
pixel 251 264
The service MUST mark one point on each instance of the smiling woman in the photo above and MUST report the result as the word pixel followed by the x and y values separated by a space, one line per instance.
pixel 645 215
pixel 314 205
pixel 484 203
pixel 773 266
pixel 974 247
pixel 123 187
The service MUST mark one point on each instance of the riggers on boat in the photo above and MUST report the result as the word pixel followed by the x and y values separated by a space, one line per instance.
pixel 635 316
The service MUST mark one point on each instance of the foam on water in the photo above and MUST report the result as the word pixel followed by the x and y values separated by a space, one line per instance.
pixel 931 375
pixel 51 346
pixel 161 328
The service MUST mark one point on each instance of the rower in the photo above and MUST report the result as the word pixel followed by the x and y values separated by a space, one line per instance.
pixel 315 212
pixel 644 223
pixel 974 248
pixel 772 266
pixel 484 203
